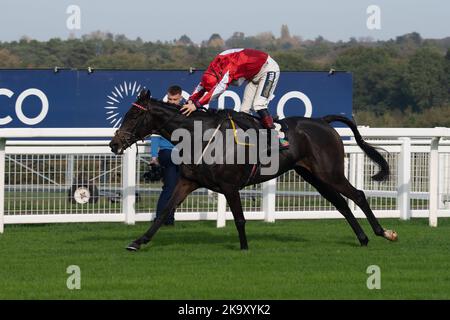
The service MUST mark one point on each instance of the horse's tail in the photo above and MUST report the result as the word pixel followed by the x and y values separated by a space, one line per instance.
pixel 368 149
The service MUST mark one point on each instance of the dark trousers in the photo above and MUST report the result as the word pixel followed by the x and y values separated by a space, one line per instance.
pixel 171 173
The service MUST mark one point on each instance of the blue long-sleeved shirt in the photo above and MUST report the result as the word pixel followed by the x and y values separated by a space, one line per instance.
pixel 159 143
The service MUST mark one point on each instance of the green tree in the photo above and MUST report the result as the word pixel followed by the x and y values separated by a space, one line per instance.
pixel 9 60
pixel 120 60
pixel 377 77
pixel 184 41
pixel 216 41
pixel 447 71
pixel 293 61
pixel 237 40
pixel 427 79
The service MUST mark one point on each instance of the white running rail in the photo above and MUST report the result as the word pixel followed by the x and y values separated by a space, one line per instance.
pixel 37 180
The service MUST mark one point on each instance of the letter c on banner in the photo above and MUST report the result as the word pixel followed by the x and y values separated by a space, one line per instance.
pixel 294 94
pixel 9 94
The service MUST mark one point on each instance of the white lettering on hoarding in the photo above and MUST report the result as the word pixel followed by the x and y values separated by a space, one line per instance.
pixel 280 107
pixel 44 106
pixel 19 103
pixel 9 94
pixel 298 95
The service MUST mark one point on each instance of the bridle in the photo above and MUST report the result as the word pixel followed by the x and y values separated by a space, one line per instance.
pixel 139 106
pixel 127 138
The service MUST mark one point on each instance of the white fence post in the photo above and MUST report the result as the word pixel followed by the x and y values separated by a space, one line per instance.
pixel 2 184
pixel 352 177
pixel 404 180
pixel 442 181
pixel 359 179
pixel 269 189
pixel 360 168
pixel 434 182
pixel 221 210
pixel 129 184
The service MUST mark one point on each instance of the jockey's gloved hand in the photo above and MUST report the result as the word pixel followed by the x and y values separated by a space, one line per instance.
pixel 188 108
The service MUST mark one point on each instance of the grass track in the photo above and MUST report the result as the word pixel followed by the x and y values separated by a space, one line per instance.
pixel 310 259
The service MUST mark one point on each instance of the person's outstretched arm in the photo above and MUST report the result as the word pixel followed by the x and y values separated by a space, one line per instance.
pixel 154 147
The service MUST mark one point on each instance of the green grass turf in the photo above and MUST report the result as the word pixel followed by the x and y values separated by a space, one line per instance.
pixel 310 259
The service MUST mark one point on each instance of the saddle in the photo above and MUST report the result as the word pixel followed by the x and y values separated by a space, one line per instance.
pixel 247 121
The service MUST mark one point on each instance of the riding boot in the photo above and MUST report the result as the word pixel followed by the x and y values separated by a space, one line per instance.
pixel 267 122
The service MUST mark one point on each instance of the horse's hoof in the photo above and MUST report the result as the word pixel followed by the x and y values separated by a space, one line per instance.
pixel 133 246
pixel 364 242
pixel 391 235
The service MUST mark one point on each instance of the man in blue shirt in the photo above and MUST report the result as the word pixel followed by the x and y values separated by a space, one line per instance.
pixel 161 150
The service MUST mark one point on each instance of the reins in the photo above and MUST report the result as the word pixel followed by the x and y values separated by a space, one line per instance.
pixel 127 137
pixel 130 136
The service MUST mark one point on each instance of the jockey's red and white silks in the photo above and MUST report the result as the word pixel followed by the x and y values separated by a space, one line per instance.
pixel 259 90
pixel 231 67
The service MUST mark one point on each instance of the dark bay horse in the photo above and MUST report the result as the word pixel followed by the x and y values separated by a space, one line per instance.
pixel 316 153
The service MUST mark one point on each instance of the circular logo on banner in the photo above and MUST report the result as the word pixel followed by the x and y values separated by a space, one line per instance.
pixel 119 101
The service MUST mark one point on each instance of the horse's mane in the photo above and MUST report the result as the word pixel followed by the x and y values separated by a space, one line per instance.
pixel 161 103
pixel 238 116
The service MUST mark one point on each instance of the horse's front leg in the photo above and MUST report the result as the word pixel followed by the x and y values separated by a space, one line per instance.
pixel 234 201
pixel 183 188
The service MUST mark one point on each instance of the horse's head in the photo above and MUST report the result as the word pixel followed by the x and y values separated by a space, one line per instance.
pixel 133 127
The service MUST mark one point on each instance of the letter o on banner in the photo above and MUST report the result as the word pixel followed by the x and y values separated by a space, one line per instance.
pixel 294 94
pixel 44 105
pixel 231 94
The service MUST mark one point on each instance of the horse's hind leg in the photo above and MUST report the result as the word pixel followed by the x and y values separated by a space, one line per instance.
pixel 337 200
pixel 183 188
pixel 234 201
pixel 344 186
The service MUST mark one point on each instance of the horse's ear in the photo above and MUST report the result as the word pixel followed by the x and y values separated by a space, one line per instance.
pixel 144 94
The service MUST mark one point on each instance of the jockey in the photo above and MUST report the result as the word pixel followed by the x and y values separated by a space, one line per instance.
pixel 233 67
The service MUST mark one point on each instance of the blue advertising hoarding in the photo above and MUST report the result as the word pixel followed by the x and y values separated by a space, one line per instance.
pixel 99 99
